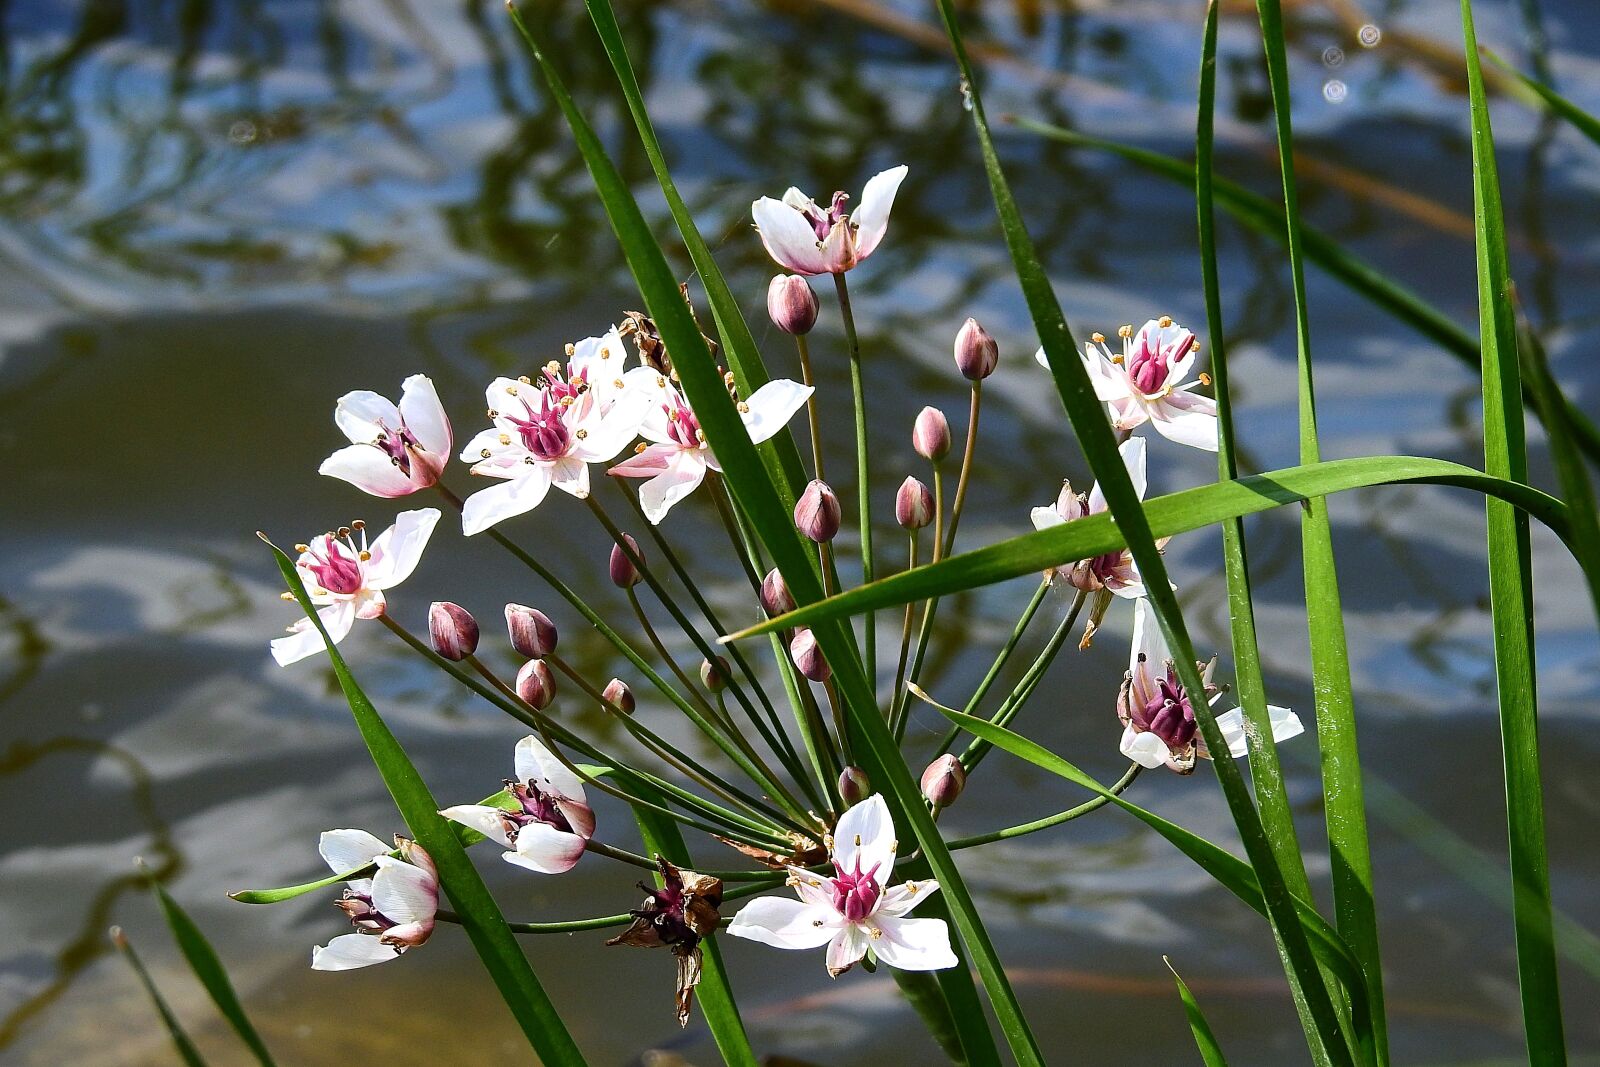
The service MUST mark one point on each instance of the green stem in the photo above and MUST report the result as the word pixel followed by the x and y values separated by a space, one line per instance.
pixel 812 415
pixel 1030 681
pixel 965 478
pixel 905 631
pixel 1022 829
pixel 863 470
pixel 1000 660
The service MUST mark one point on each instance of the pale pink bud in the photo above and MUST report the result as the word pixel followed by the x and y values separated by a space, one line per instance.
pixel 816 513
pixel 624 575
pixel 532 633
pixel 931 435
pixel 808 657
pixel 452 630
pixel 853 785
pixel 943 781
pixel 913 505
pixel 977 353
pixel 791 304
pixel 714 673
pixel 535 683
pixel 775 598
pixel 619 696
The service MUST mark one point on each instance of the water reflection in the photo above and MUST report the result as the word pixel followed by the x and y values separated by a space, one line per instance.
pixel 215 217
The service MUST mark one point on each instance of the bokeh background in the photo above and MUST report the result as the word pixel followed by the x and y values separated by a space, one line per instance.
pixel 216 216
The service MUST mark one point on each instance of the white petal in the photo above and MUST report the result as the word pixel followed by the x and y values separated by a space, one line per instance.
pixel 683 475
pixel 543 848
pixel 788 237
pixel 488 506
pixel 871 216
pixel 484 819
pixel 349 951
pixel 396 551
pixel 606 435
pixel 345 850
pixel 1148 656
pixel 866 833
pixel 404 892
pixel 337 618
pixel 784 923
pixel 358 414
pixel 1187 419
pixel 1045 518
pixel 424 415
pixel 914 944
pixel 898 900
pixel 570 476
pixel 369 469
pixel 770 408
pixel 536 763
pixel 1144 748
pixel 847 946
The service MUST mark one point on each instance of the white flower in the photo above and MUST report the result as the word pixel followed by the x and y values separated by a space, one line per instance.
pixel 807 238
pixel 852 912
pixel 548 434
pixel 1159 725
pixel 346 577
pixel 392 911
pixel 1114 570
pixel 676 460
pixel 394 450
pixel 1146 383
pixel 552 824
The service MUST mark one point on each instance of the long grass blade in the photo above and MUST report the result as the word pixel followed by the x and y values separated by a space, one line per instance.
pixel 1344 807
pixel 208 968
pixel 1094 434
pixel 481 918
pixel 759 501
pixel 1558 105
pixel 1168 515
pixel 187 1052
pixel 1204 1039
pixel 1511 589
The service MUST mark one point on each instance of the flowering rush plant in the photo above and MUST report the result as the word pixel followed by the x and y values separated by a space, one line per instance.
pixel 759 737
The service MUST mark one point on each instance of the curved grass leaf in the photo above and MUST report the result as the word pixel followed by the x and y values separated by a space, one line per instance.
pixel 1173 513
pixel 1266 217
pixel 496 946
pixel 187 1052
pixel 1511 589
pixel 1344 807
pixel 1089 422
pixel 1580 119
pixel 1204 1039
pixel 207 967
pixel 757 498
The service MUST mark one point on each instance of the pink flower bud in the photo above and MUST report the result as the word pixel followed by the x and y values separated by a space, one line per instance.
pixel 714 673
pixel 453 630
pixel 792 304
pixel 532 633
pixel 913 505
pixel 853 786
pixel 977 353
pixel 943 781
pixel 624 575
pixel 619 696
pixel 816 513
pixel 775 598
pixel 931 435
pixel 535 683
pixel 808 657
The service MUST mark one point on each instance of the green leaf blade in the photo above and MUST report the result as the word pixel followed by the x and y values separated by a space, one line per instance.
pixel 1204 1039
pixel 208 968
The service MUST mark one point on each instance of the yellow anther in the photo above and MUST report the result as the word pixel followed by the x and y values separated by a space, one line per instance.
pixel 552 367
pixel 511 389
pixel 358 524
pixel 493 414
pixel 858 841
pixel 605 353
pixel 344 531
pixel 661 383
pixel 524 379
pixel 484 453
pixel 1165 321
pixel 581 434
pixel 570 349
pixel 639 448
pixel 744 409
pixel 1124 331
pixel 285 596
pixel 1205 379
pixel 302 548
pixel 505 439
pixel 365 555
pixel 1098 338
pixel 617 382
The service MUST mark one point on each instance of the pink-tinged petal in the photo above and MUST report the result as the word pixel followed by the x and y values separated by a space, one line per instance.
pixel 488 506
pixel 345 850
pixel 1110 380
pixel 1148 656
pixel 537 764
pixel 600 361
pixel 838 250
pixel 797 200
pixel 914 944
pixel 1046 518
pixel 1144 748
pixel 486 820
pixel 543 848
pixel 404 892
pixel 358 415
pixel 651 461
pixel 369 469
pixel 788 237
pixel 349 951
pixel 1133 457
pixel 305 641
pixel 784 923
pixel 571 476
pixel 1128 414
pixel 871 216
pixel 369 604
pixel 770 408
pixel 865 833
pixel 682 477
pixel 398 549
pixel 811 888
pixel 1188 419
pixel 408 935
pixel 1126 582
pixel 424 415
pixel 579 815
pixel 503 394
pixel 487 441
pixel 846 948
pixel 900 899
pixel 604 435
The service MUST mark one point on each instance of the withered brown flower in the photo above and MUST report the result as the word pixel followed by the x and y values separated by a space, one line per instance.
pixel 679 915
